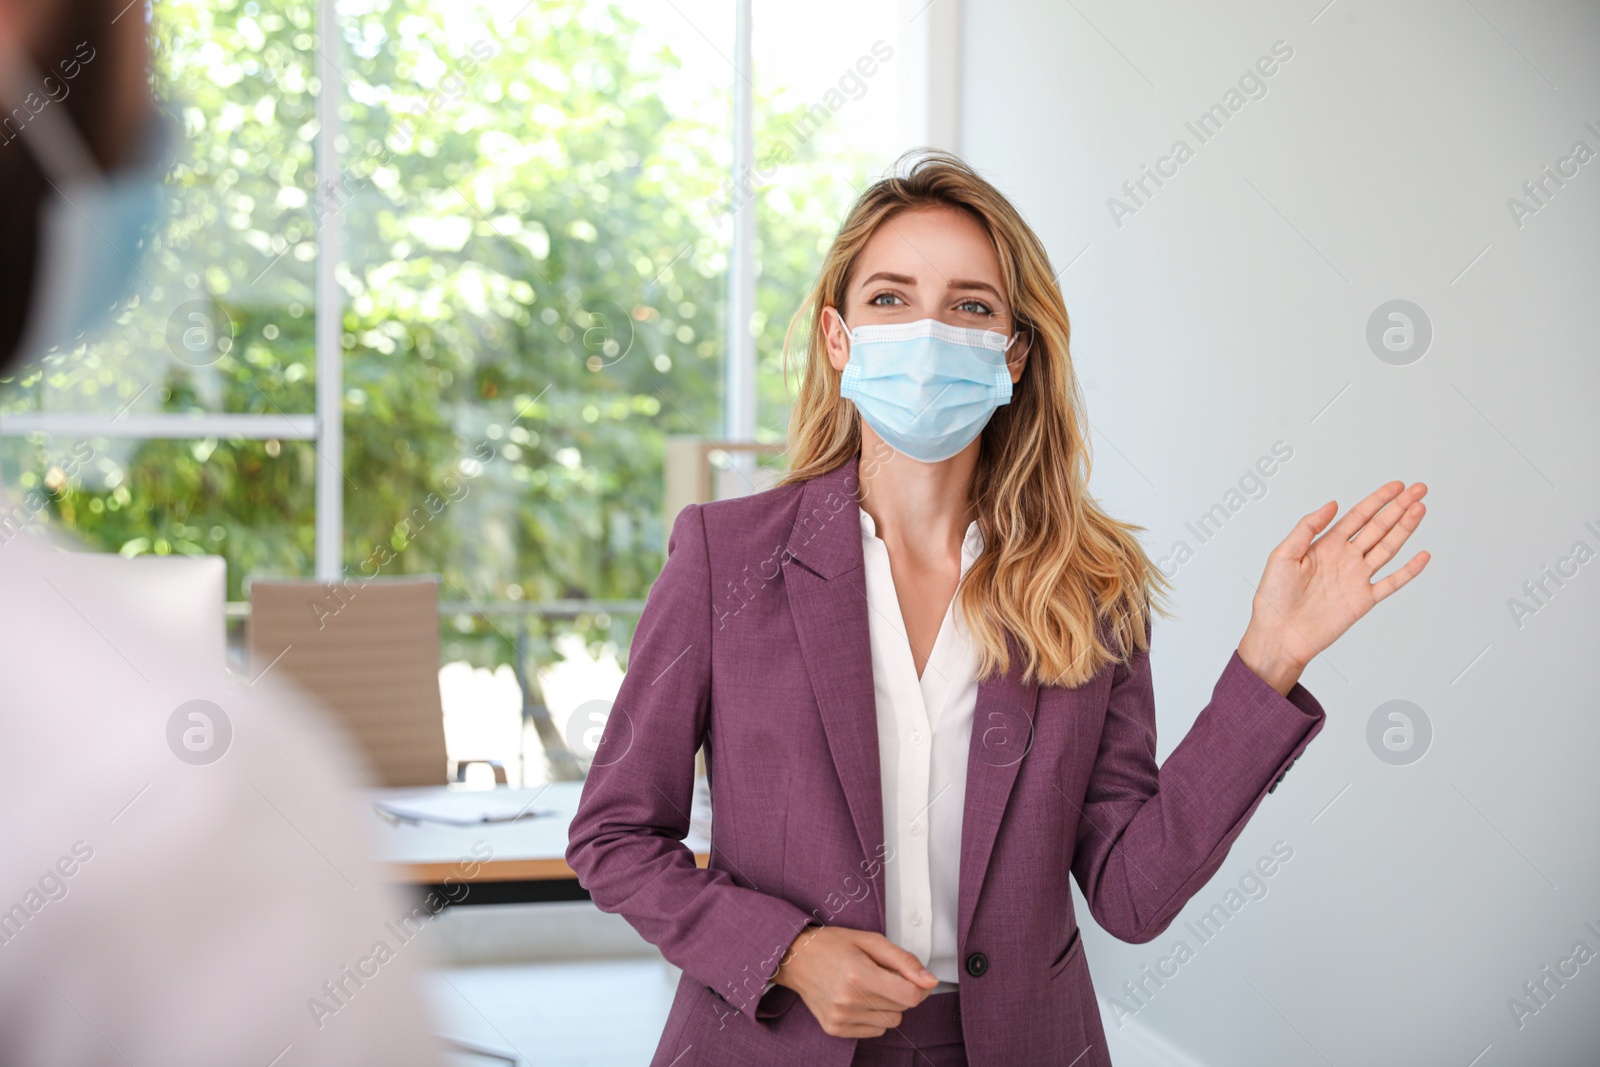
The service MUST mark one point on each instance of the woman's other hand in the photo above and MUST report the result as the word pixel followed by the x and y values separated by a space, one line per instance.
pixel 1311 593
pixel 856 982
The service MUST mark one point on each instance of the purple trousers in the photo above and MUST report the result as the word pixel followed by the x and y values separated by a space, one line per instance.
pixel 929 1035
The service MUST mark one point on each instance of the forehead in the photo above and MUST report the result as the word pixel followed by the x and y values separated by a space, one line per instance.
pixel 930 244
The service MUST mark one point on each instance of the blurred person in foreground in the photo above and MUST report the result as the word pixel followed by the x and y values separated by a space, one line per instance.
pixel 153 910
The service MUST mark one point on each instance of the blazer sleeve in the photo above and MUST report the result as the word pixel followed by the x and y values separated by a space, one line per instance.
pixel 626 840
pixel 1149 838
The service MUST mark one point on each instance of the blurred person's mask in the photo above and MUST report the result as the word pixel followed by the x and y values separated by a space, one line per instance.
pixel 95 225
pixel 926 387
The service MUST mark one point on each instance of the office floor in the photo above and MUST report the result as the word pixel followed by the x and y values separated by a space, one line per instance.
pixel 602 1013
pixel 609 1013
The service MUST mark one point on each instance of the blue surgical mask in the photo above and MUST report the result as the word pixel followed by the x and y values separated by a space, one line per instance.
pixel 95 226
pixel 925 387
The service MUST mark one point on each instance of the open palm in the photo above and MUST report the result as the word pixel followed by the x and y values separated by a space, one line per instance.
pixel 1311 592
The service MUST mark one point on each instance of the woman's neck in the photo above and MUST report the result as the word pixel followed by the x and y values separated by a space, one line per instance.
pixel 920 507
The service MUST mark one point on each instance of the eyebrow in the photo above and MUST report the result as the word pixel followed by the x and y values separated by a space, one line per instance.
pixel 954 284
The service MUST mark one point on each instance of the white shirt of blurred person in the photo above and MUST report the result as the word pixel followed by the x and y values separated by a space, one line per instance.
pixel 155 910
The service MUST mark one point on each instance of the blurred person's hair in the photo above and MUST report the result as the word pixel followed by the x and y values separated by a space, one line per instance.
pixel 1070 585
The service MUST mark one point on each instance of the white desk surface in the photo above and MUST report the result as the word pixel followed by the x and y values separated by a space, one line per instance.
pixel 528 849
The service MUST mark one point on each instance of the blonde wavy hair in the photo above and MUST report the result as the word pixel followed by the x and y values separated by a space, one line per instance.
pixel 1059 582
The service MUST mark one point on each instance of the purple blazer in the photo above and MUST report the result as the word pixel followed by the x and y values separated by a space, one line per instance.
pixel 754 643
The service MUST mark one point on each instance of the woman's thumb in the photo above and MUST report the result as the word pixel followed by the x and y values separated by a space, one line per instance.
pixel 891 956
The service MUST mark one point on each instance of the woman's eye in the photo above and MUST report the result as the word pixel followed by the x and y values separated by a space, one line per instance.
pixel 977 307
pixel 882 298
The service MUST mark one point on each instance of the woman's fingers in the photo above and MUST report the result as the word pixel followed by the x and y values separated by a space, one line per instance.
pixel 1400 577
pixel 857 983
pixel 887 954
pixel 1298 543
pixel 1387 548
pixel 879 993
pixel 1386 520
pixel 888 981
pixel 1358 516
pixel 864 1008
pixel 882 1018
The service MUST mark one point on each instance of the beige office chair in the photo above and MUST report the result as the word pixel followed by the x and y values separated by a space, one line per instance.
pixel 370 652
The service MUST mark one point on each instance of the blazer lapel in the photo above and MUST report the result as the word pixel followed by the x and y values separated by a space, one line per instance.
pixel 1002 733
pixel 827 599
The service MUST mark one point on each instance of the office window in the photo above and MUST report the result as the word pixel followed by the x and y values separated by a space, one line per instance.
pixel 827 120
pixel 247 500
pixel 438 282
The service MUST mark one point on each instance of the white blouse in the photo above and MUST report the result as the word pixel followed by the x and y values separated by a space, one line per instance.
pixel 924 728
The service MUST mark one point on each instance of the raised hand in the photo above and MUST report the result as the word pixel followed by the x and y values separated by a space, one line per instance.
pixel 1311 592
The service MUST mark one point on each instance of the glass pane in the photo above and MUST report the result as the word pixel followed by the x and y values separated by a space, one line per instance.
pixel 829 118
pixel 223 319
pixel 537 285
pixel 247 501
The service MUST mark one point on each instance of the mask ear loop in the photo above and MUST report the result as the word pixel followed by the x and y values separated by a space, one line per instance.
pixel 849 341
pixel 1007 350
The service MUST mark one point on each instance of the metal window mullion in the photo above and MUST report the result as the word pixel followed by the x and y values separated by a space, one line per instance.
pixel 739 392
pixel 329 511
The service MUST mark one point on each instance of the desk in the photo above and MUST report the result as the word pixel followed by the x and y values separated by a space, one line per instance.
pixel 500 862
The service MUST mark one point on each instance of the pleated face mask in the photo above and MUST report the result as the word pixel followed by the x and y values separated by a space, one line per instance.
pixel 94 226
pixel 927 388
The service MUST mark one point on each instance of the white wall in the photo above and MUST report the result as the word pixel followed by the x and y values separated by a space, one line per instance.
pixel 1229 312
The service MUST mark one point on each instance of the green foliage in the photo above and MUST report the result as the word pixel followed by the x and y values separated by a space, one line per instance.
pixel 533 274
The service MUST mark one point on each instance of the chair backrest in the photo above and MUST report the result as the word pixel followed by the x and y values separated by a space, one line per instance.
pixel 370 652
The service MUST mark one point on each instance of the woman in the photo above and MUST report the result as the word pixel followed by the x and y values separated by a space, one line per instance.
pixel 920 670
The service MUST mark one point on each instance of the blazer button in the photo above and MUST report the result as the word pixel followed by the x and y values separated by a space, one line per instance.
pixel 977 963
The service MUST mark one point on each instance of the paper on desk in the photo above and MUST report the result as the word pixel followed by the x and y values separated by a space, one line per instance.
pixel 461 808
